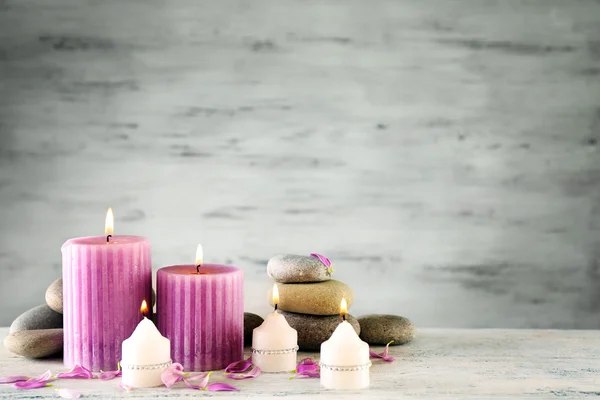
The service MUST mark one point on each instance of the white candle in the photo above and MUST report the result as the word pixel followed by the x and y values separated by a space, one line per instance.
pixel 345 359
pixel 146 355
pixel 275 342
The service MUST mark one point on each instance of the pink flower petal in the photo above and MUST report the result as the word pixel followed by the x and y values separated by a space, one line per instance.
pixel 202 377
pixel 239 366
pixel 13 379
pixel 374 355
pixel 252 373
pixel 387 349
pixel 172 375
pixel 68 394
pixel 78 372
pixel 307 364
pixel 46 376
pixel 34 383
pixel 323 259
pixel 108 375
pixel 31 384
pixel 235 370
pixel 126 387
pixel 309 374
pixel 221 387
pixel 308 368
pixel 383 355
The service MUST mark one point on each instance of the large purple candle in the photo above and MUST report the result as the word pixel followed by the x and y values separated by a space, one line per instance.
pixel 104 284
pixel 202 314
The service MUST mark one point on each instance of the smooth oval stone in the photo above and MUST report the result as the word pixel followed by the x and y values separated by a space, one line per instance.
pixel 40 317
pixel 380 329
pixel 322 298
pixel 35 344
pixel 315 329
pixel 290 268
pixel 251 321
pixel 54 296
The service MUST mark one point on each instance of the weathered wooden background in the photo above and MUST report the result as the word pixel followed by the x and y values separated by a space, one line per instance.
pixel 444 154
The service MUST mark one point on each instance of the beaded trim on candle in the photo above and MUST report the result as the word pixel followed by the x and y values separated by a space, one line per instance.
pixel 146 367
pixel 274 352
pixel 346 368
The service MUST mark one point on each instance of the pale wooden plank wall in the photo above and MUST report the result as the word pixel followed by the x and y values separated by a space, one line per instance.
pixel 443 154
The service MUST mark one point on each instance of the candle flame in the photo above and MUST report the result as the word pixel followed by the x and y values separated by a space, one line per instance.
pixel 144 308
pixel 109 222
pixel 199 255
pixel 343 307
pixel 275 294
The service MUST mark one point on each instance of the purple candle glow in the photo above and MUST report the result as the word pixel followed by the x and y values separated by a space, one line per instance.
pixel 104 282
pixel 202 314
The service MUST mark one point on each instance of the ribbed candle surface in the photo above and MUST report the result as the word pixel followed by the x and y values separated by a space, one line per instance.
pixel 202 314
pixel 103 287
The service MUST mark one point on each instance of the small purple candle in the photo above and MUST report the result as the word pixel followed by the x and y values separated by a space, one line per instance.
pixel 105 278
pixel 200 309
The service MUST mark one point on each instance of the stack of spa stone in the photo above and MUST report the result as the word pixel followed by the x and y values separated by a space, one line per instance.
pixel 310 301
pixel 38 332
pixel 308 298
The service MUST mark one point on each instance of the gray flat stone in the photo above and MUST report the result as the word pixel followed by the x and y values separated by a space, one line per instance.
pixel 290 268
pixel 380 329
pixel 40 317
pixel 251 321
pixel 35 344
pixel 54 296
pixel 315 329
pixel 322 298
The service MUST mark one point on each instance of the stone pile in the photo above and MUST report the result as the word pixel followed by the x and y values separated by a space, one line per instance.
pixel 38 332
pixel 308 298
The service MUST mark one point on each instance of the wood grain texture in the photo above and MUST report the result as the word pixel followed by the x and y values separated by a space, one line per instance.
pixel 443 154
pixel 439 363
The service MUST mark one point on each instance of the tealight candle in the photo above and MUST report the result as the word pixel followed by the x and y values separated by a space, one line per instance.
pixel 275 342
pixel 344 358
pixel 146 355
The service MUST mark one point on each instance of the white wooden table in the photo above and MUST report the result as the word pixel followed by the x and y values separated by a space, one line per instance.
pixel 442 363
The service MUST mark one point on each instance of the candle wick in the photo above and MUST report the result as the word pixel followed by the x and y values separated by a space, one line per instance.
pixel 275 306
pixel 108 238
pixel 198 268
pixel 344 317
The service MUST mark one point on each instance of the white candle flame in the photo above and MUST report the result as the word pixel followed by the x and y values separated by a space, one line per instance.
pixel 109 222
pixel 199 255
